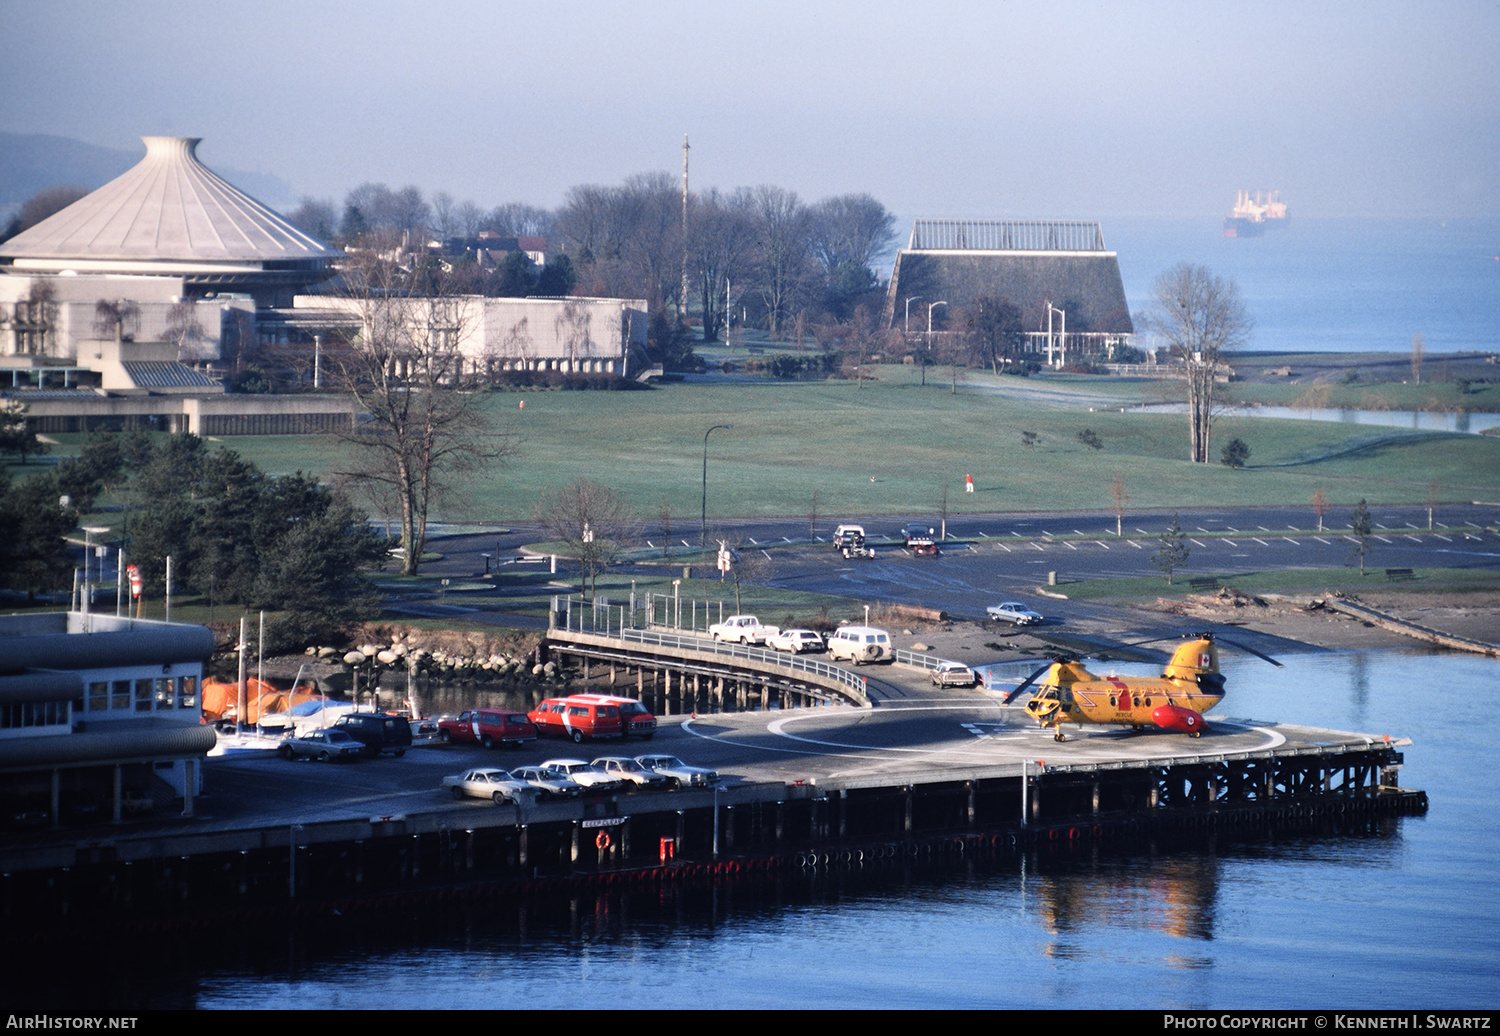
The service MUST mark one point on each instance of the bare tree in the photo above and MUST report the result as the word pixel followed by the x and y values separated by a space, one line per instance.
pixel 720 243
pixel 1119 500
pixel 182 327
pixel 1362 527
pixel 591 521
pixel 422 427
pixel 1199 317
pixel 851 229
pixel 783 249
pixel 1320 506
pixel 1418 350
pixel 1432 499
pixel 119 318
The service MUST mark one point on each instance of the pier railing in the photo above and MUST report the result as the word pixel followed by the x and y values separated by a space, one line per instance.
pixel 601 618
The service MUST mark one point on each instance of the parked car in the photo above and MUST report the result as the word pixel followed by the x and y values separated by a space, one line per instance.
pixel 631 772
pixel 587 774
pixel 796 641
pixel 1014 611
pixel 860 644
pixel 377 731
pixel 487 727
pixel 324 745
pixel 593 716
pixel 678 772
pixel 914 531
pixel 954 674
pixel 548 783
pixel 848 536
pixel 489 783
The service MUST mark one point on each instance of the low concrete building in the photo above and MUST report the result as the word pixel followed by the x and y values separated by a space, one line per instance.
pixel 571 335
pixel 100 715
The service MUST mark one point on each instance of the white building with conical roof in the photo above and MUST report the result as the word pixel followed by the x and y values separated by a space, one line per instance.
pixel 168 232
pixel 104 303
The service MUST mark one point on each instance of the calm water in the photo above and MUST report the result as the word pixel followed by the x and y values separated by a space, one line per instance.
pixel 1337 285
pixel 1408 918
pixel 1407 420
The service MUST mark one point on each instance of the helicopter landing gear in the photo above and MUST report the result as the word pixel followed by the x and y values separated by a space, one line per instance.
pixel 1058 737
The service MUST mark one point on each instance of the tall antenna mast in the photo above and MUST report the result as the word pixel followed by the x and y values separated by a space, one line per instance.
pixel 683 299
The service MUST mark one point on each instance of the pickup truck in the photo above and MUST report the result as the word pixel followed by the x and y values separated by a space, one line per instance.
pixel 744 629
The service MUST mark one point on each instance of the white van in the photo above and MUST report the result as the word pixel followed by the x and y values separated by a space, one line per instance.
pixel 861 644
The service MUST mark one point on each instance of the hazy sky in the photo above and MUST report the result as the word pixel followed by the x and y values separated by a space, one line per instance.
pixel 1092 110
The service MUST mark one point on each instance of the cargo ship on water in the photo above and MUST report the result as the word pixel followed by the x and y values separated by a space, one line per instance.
pixel 1253 214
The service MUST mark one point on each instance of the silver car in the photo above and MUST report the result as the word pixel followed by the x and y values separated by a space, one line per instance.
pixel 954 674
pixel 631 772
pixel 549 783
pixel 678 772
pixel 323 745
pixel 488 782
pixel 1013 611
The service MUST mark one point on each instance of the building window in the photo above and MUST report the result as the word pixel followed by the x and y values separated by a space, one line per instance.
pixel 99 696
pixel 143 695
pixel 120 696
pixel 187 693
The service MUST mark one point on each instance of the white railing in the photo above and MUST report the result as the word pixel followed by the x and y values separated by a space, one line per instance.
pixel 706 645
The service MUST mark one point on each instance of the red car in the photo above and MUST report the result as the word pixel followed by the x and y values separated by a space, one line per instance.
pixel 593 716
pixel 487 727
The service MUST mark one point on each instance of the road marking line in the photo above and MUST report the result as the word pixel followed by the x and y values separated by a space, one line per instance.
pixel 1322 540
pixel 1230 542
pixel 1191 540
pixel 1069 545
pixel 1413 538
pixel 1142 531
pixel 1134 544
pixel 1102 544
pixel 1382 539
pixel 1291 541
pixel 1038 546
pixel 1442 537
pixel 1006 549
pixel 1262 542
pixel 752 540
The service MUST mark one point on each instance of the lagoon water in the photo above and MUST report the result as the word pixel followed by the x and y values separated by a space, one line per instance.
pixel 1406 918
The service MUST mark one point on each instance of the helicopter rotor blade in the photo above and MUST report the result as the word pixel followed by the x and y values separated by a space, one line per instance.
pixel 1250 651
pixel 1025 684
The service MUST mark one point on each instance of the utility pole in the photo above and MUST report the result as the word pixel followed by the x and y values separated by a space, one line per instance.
pixel 682 302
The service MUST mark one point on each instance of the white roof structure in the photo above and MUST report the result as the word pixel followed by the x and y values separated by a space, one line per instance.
pixel 169 215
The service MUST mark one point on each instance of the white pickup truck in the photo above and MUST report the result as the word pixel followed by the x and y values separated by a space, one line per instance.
pixel 744 629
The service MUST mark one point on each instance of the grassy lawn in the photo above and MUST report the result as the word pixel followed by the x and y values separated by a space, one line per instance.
pixel 891 446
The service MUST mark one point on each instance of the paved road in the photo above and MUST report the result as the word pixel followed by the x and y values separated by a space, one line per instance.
pixel 994 557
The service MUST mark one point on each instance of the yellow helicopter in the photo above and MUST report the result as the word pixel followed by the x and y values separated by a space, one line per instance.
pixel 1190 685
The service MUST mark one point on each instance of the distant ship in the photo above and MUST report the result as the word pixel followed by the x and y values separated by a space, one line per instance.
pixel 1251 216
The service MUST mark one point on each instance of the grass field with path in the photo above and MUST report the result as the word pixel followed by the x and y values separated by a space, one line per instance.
pixel 891 446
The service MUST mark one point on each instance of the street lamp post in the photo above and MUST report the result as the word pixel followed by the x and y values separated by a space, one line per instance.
pixel 930 307
pixel 909 300
pixel 703 519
